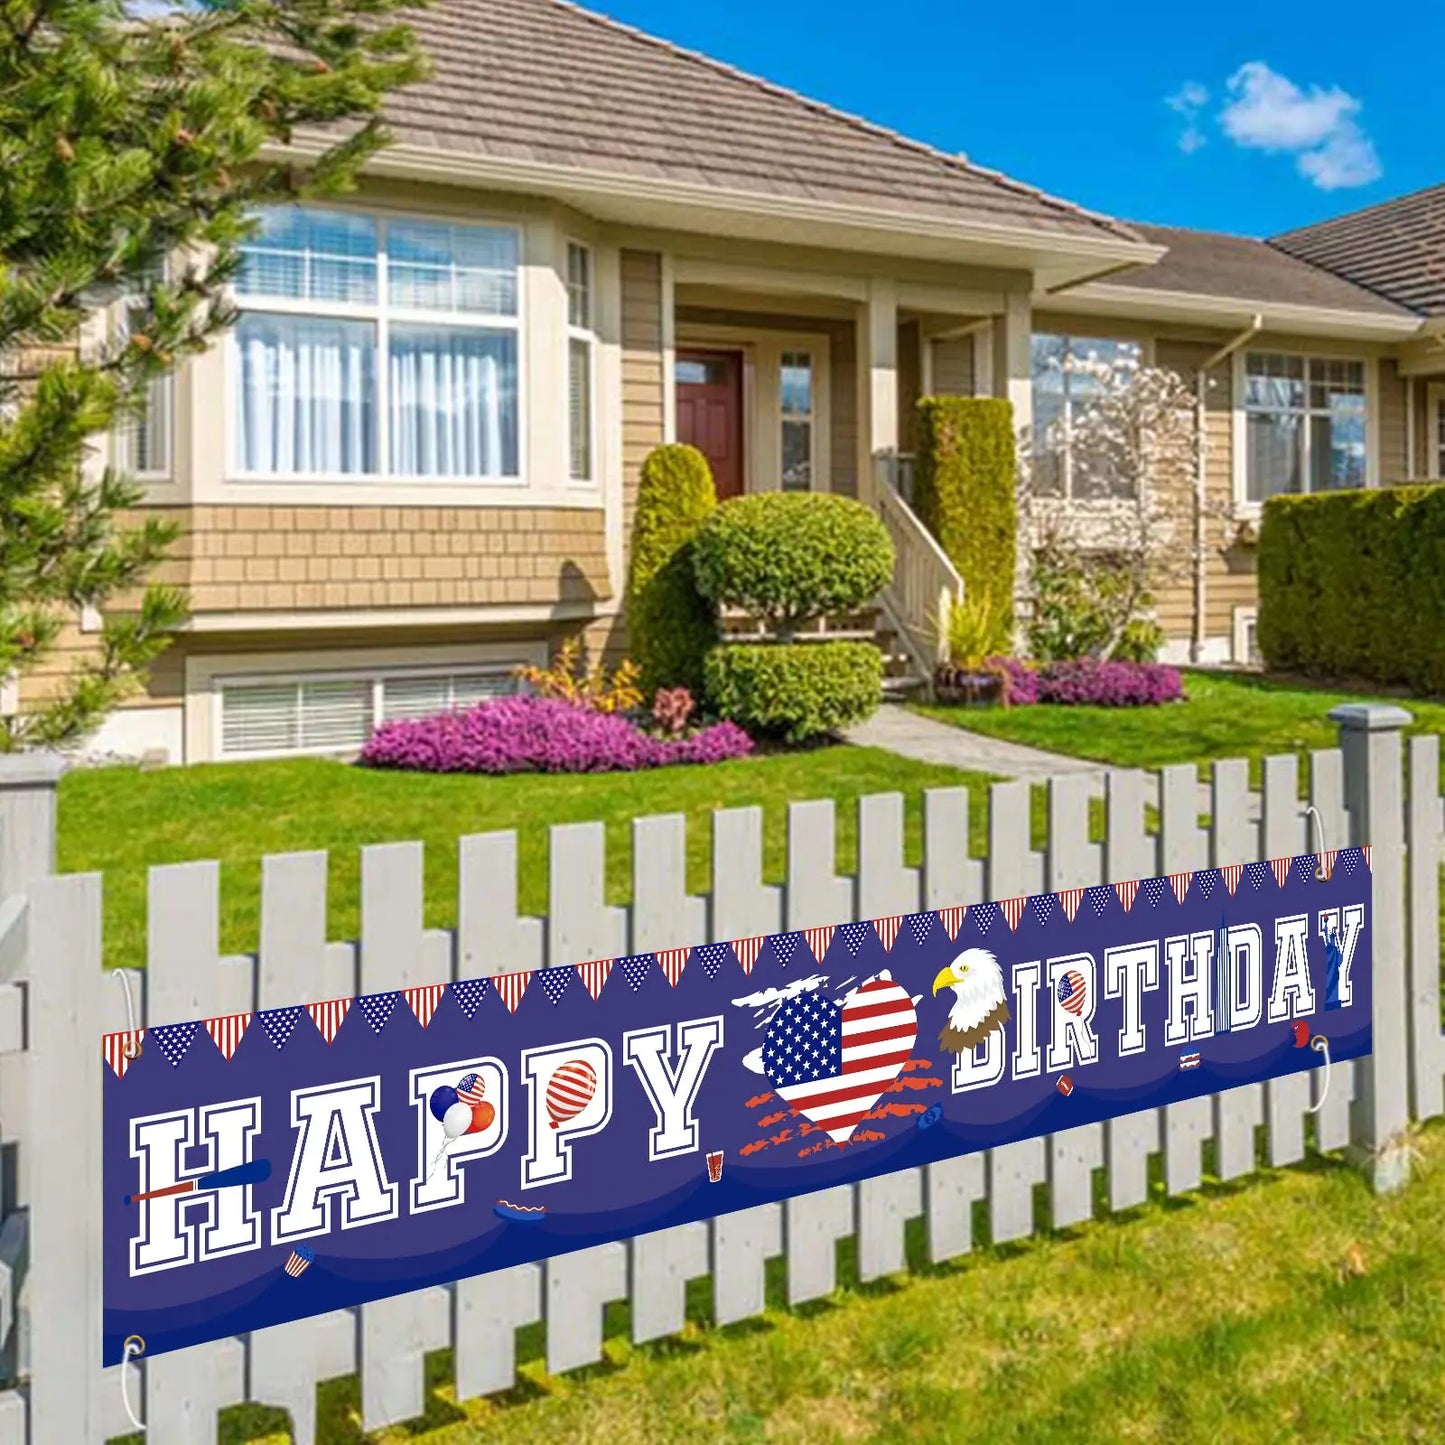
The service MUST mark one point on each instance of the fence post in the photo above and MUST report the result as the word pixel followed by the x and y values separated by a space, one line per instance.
pixel 27 818
pixel 1372 744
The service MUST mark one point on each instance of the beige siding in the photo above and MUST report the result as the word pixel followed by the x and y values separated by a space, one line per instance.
pixel 953 373
pixel 1393 450
pixel 642 379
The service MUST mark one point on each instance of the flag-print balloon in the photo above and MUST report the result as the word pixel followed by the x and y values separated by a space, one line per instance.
pixel 482 1116
pixel 458 1120
pixel 442 1099
pixel 570 1091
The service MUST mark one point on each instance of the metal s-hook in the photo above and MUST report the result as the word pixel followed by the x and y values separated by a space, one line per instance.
pixel 133 1348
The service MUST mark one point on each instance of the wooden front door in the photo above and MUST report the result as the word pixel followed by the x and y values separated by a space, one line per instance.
pixel 710 413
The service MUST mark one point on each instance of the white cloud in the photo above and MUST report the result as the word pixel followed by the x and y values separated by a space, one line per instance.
pixel 1187 102
pixel 1347 159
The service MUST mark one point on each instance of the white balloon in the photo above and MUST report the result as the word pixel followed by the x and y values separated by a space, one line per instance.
pixel 457 1120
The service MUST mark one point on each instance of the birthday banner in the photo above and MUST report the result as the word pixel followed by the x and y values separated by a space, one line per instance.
pixel 266 1167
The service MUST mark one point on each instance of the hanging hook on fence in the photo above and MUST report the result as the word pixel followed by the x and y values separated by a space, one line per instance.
pixel 131 1050
pixel 1314 816
pixel 133 1348
pixel 1321 1045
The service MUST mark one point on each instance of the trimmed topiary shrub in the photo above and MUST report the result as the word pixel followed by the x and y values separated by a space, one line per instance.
pixel 964 488
pixel 797 691
pixel 789 557
pixel 1352 586
pixel 670 625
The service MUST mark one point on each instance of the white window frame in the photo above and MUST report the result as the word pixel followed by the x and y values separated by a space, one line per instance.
pixel 162 391
pixel 588 335
pixel 1243 506
pixel 809 418
pixel 1244 619
pixel 380 315
pixel 1435 430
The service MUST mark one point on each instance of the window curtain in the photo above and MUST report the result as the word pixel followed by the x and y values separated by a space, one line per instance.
pixel 453 402
pixel 306 402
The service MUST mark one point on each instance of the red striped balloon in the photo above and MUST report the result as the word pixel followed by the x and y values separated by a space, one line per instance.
pixel 570 1091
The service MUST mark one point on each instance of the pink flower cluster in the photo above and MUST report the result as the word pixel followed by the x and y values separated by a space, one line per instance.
pixel 1089 683
pixel 541 735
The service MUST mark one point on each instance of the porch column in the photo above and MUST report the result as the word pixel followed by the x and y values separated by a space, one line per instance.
pixel 1012 372
pixel 878 382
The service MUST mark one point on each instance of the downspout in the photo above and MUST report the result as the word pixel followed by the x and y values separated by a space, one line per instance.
pixel 1201 478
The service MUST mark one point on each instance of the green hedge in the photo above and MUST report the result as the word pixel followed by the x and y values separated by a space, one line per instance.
pixel 790 557
pixel 1352 585
pixel 964 489
pixel 670 625
pixel 795 691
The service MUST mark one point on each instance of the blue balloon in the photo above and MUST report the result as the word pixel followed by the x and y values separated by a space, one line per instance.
pixel 442 1099
pixel 928 1120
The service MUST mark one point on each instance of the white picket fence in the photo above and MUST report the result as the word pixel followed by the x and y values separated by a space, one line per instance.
pixel 55 1003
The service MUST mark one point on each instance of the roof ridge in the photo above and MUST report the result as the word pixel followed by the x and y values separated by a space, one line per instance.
pixel 858 122
pixel 1351 216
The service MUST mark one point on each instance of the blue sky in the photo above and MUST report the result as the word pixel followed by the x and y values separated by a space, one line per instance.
pixel 1251 118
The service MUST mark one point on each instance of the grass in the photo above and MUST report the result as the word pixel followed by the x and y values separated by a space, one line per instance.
pixel 1225 716
pixel 1296 1307
pixel 118 822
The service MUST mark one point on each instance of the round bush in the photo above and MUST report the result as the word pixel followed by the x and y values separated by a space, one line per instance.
pixel 790 556
pixel 796 691
pixel 670 625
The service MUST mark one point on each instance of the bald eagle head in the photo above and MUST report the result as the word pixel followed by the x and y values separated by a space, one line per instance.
pixel 979 1002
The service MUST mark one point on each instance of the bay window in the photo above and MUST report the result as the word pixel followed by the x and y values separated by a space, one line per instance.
pixel 376 347
pixel 1065 383
pixel 1305 424
pixel 580 340
pixel 797 406
pixel 143 438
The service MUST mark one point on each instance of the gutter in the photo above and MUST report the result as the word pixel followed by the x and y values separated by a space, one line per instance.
pixel 1201 385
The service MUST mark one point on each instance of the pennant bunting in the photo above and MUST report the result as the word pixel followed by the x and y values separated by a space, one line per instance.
pixel 984 915
pixel 819 940
pixel 469 994
pixel 1280 868
pixel 227 1031
pixel 1070 898
pixel 1013 910
pixel 555 982
pixel 920 925
pixel 1044 906
pixel 377 1009
pixel 1204 882
pixel 1154 890
pixel 120 1049
pixel 1180 882
pixel 1231 874
pixel 1100 896
pixel 711 956
pixel 594 975
pixel 887 931
pixel 1127 893
pixel 672 961
pixel 329 1016
pixel 174 1040
pixel 1367 852
pixel 952 920
pixel 511 987
pixel 785 945
pixel 1256 873
pixel 424 1001
pixel 1327 861
pixel 636 968
pixel 747 950
pixel 279 1024
pixel 855 935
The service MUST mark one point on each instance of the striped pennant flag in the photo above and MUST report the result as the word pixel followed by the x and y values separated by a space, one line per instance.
pixel 952 920
pixel 1231 873
pixel 711 956
pixel 469 994
pixel 555 982
pixel 227 1031
pixel 785 945
pixel 377 1009
pixel 1367 853
pixel 594 975
pixel 329 1016
pixel 1127 893
pixel 819 940
pixel 1280 868
pixel 1070 898
pixel 120 1049
pixel 1180 882
pixel 510 988
pixel 855 935
pixel 747 950
pixel 174 1040
pixel 672 961
pixel 279 1024
pixel 1327 860
pixel 1013 910
pixel 636 969
pixel 887 930
pixel 424 1001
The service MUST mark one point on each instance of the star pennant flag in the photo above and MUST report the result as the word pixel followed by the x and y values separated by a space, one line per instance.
pixel 785 945
pixel 1327 860
pixel 636 969
pixel 711 956
pixel 1257 873
pixel 279 1024
pixel 672 961
pixel 329 1016
pixel 1100 895
pixel 594 975
pixel 227 1031
pixel 887 931
pixel 984 915
pixel 510 988
pixel 1180 882
pixel 855 935
pixel 174 1040
pixel 1204 882
pixel 1044 906
pixel 554 982
pixel 952 920
pixel 1231 873
pixel 377 1009
pixel 920 925
pixel 120 1049
pixel 1127 893
pixel 1280 868
pixel 1154 891
pixel 424 1000
pixel 1070 898
pixel 1013 910
pixel 819 940
pixel 747 950
pixel 469 994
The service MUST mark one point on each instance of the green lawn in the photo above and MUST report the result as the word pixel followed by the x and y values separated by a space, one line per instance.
pixel 1224 716
pixel 119 821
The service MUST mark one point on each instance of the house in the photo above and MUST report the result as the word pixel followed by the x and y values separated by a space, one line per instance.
pixel 412 464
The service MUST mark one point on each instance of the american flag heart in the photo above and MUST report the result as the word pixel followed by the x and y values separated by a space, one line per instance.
pixel 424 1001
pixel 747 950
pixel 1280 868
pixel 594 975
pixel 472 1090
pixel 511 987
pixel 227 1031
pixel 1180 882
pixel 1013 909
pixel 1070 898
pixel 329 1016
pixel 672 961
pixel 120 1049
pixel 1072 991
pixel 554 982
pixel 952 920
pixel 887 931
pixel 1127 893
pixel 819 940
pixel 1231 873
pixel 833 1062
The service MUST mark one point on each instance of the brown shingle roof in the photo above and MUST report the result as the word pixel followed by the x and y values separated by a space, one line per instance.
pixel 545 81
pixel 1396 249
pixel 1210 263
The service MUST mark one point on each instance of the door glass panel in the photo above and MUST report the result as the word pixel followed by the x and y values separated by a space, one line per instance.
pixel 701 371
